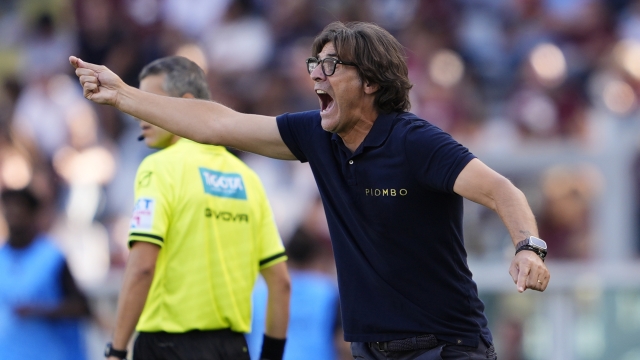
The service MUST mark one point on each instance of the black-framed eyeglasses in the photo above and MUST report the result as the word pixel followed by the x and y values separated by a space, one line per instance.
pixel 328 65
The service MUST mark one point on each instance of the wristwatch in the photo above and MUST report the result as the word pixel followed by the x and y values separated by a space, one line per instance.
pixel 110 351
pixel 534 244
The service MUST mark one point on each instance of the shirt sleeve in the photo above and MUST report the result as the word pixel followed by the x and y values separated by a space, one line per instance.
pixel 152 209
pixel 270 244
pixel 295 130
pixel 434 156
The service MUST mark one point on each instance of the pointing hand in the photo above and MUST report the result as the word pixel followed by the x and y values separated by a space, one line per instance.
pixel 99 84
pixel 528 271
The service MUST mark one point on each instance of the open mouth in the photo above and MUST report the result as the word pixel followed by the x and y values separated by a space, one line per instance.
pixel 326 101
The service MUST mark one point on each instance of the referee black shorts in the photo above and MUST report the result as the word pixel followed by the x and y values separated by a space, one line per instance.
pixel 192 345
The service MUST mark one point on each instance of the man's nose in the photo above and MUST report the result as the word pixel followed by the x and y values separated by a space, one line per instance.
pixel 317 74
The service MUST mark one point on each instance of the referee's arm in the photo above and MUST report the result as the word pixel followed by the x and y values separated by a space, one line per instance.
pixel 277 320
pixel 138 276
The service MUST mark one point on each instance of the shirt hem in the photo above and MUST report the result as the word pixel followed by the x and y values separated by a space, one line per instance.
pixel 472 341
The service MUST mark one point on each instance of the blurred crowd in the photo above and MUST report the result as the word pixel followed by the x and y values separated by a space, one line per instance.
pixel 499 75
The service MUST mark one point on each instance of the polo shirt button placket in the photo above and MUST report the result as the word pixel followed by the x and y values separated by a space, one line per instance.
pixel 350 173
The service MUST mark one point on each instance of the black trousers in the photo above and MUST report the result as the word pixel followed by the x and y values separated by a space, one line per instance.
pixel 444 351
pixel 192 345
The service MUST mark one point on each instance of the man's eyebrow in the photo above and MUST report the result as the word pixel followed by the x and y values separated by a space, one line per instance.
pixel 331 55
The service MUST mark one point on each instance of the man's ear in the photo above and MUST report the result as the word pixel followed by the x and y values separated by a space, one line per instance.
pixel 188 96
pixel 371 88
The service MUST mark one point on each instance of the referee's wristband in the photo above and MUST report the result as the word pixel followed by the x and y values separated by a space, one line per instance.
pixel 109 351
pixel 272 348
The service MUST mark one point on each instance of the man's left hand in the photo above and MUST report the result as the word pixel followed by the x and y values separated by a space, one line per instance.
pixel 529 271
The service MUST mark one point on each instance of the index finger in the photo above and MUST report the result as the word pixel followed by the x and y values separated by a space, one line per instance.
pixel 523 273
pixel 86 72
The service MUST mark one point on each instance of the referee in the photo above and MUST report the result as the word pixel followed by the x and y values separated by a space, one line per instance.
pixel 201 231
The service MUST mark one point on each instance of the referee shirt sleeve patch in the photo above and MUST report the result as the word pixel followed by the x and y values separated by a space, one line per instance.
pixel 155 239
pixel 273 259
pixel 142 218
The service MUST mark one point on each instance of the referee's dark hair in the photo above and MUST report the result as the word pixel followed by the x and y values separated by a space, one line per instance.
pixel 182 76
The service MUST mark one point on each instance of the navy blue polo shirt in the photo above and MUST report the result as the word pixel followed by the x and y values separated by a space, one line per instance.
pixel 396 227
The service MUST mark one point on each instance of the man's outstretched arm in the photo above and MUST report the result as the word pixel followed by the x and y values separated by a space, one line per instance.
pixel 479 183
pixel 202 121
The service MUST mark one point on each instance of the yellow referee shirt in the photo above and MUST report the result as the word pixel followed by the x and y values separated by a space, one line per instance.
pixel 209 213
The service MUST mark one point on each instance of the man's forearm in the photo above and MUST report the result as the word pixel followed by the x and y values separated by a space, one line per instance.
pixel 479 183
pixel 279 287
pixel 183 117
pixel 527 268
pixel 277 314
pixel 133 296
pixel 514 210
pixel 275 334
pixel 206 122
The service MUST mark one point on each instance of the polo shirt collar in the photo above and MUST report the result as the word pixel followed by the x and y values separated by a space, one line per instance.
pixel 377 135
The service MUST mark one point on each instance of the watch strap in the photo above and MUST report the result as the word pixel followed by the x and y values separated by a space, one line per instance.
pixel 110 351
pixel 522 243
pixel 540 253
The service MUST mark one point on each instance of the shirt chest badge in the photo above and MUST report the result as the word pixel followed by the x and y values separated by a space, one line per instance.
pixel 376 192
pixel 227 185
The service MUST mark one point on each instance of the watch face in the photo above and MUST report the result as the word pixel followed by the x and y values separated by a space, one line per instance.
pixel 537 242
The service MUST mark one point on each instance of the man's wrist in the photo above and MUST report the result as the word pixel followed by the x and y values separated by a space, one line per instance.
pixel 272 348
pixel 535 244
pixel 542 255
pixel 110 351
pixel 122 95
